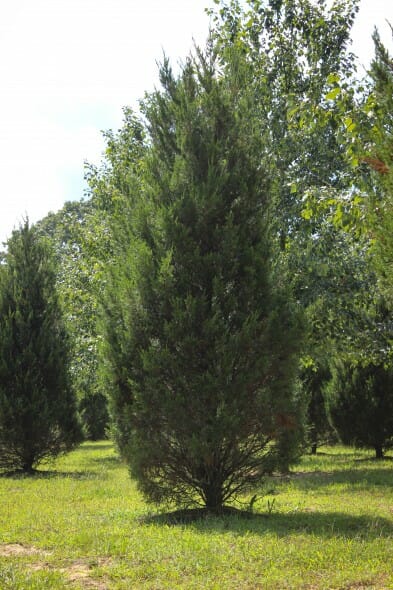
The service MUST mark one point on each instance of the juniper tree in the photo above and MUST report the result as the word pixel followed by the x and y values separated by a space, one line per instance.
pixel 202 336
pixel 314 376
pixel 360 400
pixel 38 417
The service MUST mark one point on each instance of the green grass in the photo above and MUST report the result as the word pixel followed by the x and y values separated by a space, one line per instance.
pixel 82 524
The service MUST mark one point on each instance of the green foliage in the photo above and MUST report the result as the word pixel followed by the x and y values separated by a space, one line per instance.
pixel 115 182
pixel 360 401
pixel 80 238
pixel 202 334
pixel 297 50
pixel 362 112
pixel 300 66
pixel 339 289
pixel 302 77
pixel 314 376
pixel 93 409
pixel 380 160
pixel 37 409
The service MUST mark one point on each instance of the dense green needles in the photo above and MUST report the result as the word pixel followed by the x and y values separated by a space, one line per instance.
pixel 38 418
pixel 202 333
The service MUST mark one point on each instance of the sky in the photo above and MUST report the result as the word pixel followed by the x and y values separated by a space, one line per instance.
pixel 67 67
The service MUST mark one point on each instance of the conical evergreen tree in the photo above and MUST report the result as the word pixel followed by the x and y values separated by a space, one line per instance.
pixel 314 377
pixel 360 402
pixel 38 416
pixel 202 337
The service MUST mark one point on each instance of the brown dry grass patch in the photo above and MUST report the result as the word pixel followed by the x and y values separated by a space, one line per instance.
pixel 18 549
pixel 78 571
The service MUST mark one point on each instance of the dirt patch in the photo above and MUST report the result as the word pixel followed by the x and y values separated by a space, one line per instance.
pixel 361 585
pixel 366 585
pixel 78 571
pixel 15 549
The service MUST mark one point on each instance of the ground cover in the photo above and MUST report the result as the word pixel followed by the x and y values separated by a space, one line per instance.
pixel 82 524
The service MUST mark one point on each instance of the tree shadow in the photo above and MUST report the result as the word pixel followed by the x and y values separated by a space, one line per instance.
pixel 366 477
pixel 190 515
pixel 48 474
pixel 322 524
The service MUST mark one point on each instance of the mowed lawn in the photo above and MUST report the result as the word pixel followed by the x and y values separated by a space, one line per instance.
pixel 82 524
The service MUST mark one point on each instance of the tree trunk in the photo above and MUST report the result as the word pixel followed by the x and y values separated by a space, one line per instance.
pixel 314 448
pixel 378 451
pixel 27 466
pixel 213 497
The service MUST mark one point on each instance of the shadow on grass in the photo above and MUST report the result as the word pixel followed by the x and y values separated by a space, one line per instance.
pixel 322 524
pixel 38 474
pixel 360 477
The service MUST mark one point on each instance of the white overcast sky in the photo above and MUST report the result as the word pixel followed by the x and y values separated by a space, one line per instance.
pixel 67 67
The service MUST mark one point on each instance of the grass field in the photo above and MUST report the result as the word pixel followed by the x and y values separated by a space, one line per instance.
pixel 82 524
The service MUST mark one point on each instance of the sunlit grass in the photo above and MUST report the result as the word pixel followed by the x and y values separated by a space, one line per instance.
pixel 83 525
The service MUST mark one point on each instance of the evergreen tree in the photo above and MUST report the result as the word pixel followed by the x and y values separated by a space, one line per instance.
pixel 93 410
pixel 314 376
pixel 38 417
pixel 202 334
pixel 360 400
